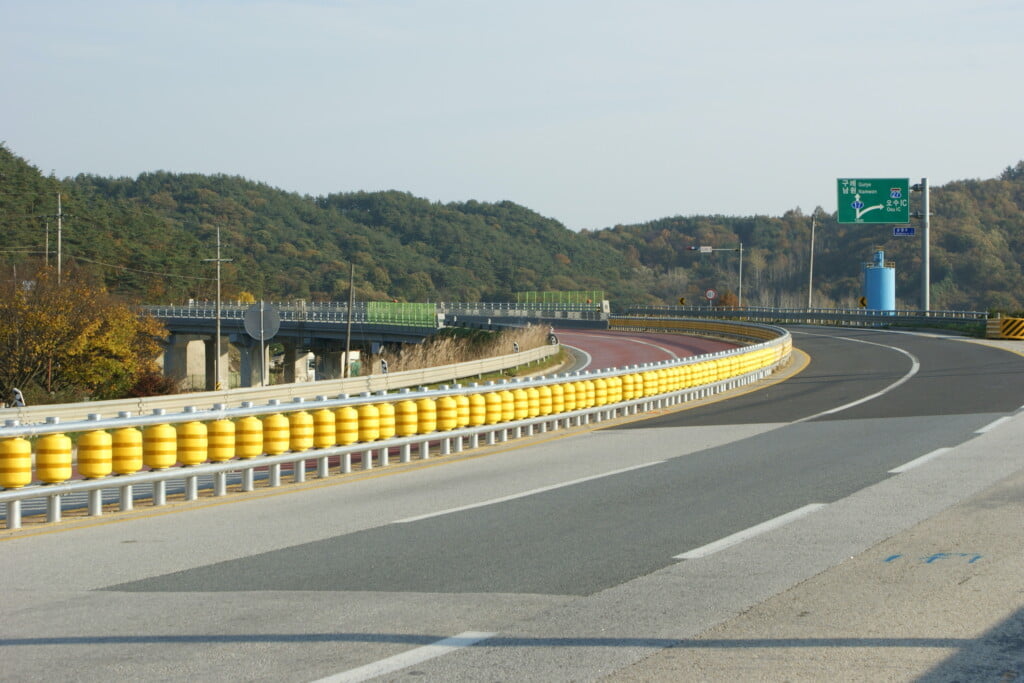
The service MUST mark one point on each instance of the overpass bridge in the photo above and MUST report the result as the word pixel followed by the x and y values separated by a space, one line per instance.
pixel 305 330
pixel 314 335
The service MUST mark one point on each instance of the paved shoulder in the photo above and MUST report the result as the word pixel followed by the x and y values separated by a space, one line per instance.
pixel 942 601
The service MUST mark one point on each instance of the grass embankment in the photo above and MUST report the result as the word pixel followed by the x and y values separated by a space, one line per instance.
pixel 458 345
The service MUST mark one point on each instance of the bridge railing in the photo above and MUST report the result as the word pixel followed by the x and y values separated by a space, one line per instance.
pixel 209 452
pixel 367 313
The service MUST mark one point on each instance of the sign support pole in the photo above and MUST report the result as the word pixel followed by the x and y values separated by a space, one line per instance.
pixel 925 250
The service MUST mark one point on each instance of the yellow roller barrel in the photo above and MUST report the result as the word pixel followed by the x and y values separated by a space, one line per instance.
pixel 127 446
pixel 369 422
pixel 192 443
pixel 220 440
pixel 248 437
pixel 95 454
pixel 159 446
pixel 15 463
pixel 301 431
pixel 406 418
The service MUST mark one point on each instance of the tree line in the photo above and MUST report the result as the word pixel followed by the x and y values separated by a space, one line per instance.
pixel 150 239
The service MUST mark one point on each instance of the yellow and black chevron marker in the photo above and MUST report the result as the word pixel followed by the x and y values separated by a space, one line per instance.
pixel 1005 328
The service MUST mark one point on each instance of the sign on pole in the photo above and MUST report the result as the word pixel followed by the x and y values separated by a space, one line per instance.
pixel 904 232
pixel 873 200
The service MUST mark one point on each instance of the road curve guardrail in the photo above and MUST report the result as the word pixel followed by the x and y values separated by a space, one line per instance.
pixel 857 317
pixel 33 420
pixel 108 460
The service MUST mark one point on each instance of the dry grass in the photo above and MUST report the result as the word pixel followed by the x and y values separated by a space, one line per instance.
pixel 446 350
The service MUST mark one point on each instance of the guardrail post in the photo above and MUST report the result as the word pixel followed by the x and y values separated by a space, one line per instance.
pixel 159 493
pixel 127 501
pixel 220 484
pixel 95 503
pixel 191 488
pixel 53 507
pixel 14 514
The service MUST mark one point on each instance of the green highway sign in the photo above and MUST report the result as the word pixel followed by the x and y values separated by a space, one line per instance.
pixel 873 200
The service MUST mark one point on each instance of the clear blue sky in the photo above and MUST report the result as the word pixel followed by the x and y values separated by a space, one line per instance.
pixel 591 112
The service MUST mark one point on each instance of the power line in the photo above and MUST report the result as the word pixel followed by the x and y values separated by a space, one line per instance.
pixel 147 272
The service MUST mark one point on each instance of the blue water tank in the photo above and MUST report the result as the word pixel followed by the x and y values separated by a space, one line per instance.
pixel 880 283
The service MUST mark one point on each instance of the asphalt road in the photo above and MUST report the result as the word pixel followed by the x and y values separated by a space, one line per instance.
pixel 573 557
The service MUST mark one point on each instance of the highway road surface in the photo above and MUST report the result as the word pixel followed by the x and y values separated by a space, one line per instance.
pixel 611 553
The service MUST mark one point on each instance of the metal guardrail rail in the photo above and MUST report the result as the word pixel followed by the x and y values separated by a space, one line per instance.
pixel 830 316
pixel 36 420
pixel 437 421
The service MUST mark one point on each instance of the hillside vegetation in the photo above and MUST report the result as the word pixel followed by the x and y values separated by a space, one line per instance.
pixel 149 239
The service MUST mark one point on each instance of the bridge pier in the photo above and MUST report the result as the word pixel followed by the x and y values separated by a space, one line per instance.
pixel 332 363
pixel 297 365
pixel 183 360
pixel 213 382
pixel 255 369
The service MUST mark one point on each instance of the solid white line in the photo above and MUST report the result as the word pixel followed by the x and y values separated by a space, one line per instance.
pixel 410 658
pixel 587 358
pixel 670 352
pixel 915 366
pixel 919 461
pixel 992 425
pixel 504 499
pixel 747 534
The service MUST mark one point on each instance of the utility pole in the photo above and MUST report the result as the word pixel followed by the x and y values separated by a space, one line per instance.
pixel 740 297
pixel 216 361
pixel 348 318
pixel 59 216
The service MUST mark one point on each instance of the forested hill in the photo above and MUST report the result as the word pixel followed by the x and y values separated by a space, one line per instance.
pixel 148 237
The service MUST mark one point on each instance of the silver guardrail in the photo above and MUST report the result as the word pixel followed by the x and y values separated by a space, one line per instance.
pixel 815 316
pixel 32 420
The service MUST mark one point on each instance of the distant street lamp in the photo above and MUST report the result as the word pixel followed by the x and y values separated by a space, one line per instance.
pixel 810 266
pixel 707 250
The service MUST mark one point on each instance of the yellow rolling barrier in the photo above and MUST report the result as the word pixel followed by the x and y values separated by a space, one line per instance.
pixel 191 442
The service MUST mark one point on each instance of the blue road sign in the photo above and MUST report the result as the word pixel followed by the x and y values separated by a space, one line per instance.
pixel 904 232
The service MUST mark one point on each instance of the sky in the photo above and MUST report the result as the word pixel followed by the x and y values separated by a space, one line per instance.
pixel 591 112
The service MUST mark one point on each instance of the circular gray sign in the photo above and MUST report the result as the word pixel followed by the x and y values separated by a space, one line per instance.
pixel 262 321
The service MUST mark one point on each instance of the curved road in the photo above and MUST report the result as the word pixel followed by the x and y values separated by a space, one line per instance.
pixel 621 349
pixel 569 557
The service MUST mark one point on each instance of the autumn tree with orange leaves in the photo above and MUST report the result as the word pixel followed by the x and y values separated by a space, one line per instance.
pixel 71 341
